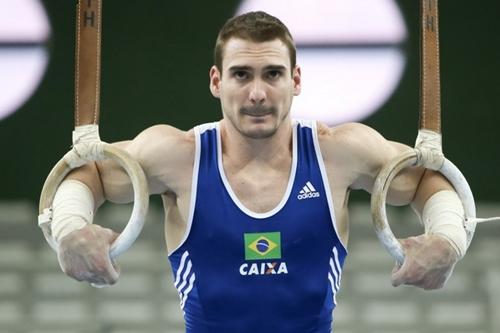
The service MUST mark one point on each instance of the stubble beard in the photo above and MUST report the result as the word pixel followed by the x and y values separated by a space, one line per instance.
pixel 262 133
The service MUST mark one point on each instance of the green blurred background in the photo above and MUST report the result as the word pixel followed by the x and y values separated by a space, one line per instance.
pixel 155 61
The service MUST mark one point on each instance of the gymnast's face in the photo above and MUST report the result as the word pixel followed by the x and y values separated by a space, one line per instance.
pixel 256 86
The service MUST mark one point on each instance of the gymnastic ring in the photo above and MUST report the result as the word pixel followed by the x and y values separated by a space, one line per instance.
pixel 139 183
pixel 379 194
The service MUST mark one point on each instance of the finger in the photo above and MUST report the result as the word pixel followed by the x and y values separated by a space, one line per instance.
pixel 111 235
pixel 93 278
pixel 112 270
pixel 107 276
pixel 397 267
pixel 116 266
pixel 398 271
pixel 399 274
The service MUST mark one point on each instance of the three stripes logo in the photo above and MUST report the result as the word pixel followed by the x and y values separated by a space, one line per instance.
pixel 185 277
pixel 308 192
pixel 334 273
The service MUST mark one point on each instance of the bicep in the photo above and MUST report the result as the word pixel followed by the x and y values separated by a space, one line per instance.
pixel 411 185
pixel 116 183
pixel 405 184
pixel 370 153
pixel 357 153
pixel 106 179
pixel 160 151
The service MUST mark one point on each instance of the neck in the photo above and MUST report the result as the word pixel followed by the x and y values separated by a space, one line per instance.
pixel 243 149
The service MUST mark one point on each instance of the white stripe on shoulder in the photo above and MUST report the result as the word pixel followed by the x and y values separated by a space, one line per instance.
pixel 326 183
pixel 194 181
pixel 205 127
pixel 305 122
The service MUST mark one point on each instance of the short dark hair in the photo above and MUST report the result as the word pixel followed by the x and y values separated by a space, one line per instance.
pixel 257 27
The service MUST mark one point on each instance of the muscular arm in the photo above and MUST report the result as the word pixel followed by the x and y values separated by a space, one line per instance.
pixel 164 153
pixel 364 152
pixel 166 156
pixel 358 153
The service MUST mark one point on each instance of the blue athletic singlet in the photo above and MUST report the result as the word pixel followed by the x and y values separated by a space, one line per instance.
pixel 239 271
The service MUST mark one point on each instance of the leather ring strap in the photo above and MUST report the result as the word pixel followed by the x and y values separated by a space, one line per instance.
pixel 87 146
pixel 88 62
pixel 430 98
pixel 428 150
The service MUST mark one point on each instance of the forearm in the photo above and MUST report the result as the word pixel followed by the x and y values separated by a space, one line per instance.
pixel 441 210
pixel 76 200
pixel 431 182
pixel 89 175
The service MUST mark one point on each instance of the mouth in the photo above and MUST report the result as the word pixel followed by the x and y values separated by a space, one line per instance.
pixel 257 112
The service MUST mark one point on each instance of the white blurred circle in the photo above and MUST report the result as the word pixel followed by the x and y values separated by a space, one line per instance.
pixel 346 85
pixel 349 52
pixel 24 30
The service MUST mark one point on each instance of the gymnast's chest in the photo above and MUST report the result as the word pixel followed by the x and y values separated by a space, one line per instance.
pixel 259 192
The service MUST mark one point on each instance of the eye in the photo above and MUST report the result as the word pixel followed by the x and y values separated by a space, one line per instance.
pixel 240 75
pixel 273 74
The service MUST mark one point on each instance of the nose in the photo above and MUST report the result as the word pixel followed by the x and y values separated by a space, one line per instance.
pixel 257 93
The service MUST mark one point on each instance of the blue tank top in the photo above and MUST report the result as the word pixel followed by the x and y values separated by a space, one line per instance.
pixel 241 271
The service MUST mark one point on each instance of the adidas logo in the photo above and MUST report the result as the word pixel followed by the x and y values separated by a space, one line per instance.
pixel 308 192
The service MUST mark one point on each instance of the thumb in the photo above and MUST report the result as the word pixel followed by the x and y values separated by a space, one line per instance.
pixel 116 267
pixel 111 235
pixel 112 269
pixel 398 276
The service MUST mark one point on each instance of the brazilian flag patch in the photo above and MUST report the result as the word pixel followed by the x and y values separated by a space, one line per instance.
pixel 259 246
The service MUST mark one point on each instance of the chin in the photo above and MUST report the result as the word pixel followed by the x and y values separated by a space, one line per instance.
pixel 261 131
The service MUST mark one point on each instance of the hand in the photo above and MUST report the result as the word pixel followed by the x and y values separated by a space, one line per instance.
pixel 84 255
pixel 429 262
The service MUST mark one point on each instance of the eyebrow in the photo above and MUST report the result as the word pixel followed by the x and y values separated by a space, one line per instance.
pixel 239 68
pixel 248 68
pixel 275 68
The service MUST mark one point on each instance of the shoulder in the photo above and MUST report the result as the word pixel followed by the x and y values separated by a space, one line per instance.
pixel 357 148
pixel 350 139
pixel 344 131
pixel 165 133
pixel 162 138
pixel 166 154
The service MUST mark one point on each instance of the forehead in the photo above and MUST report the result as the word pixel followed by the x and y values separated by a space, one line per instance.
pixel 241 52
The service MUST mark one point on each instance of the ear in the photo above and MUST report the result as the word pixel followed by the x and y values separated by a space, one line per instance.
pixel 297 80
pixel 215 81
